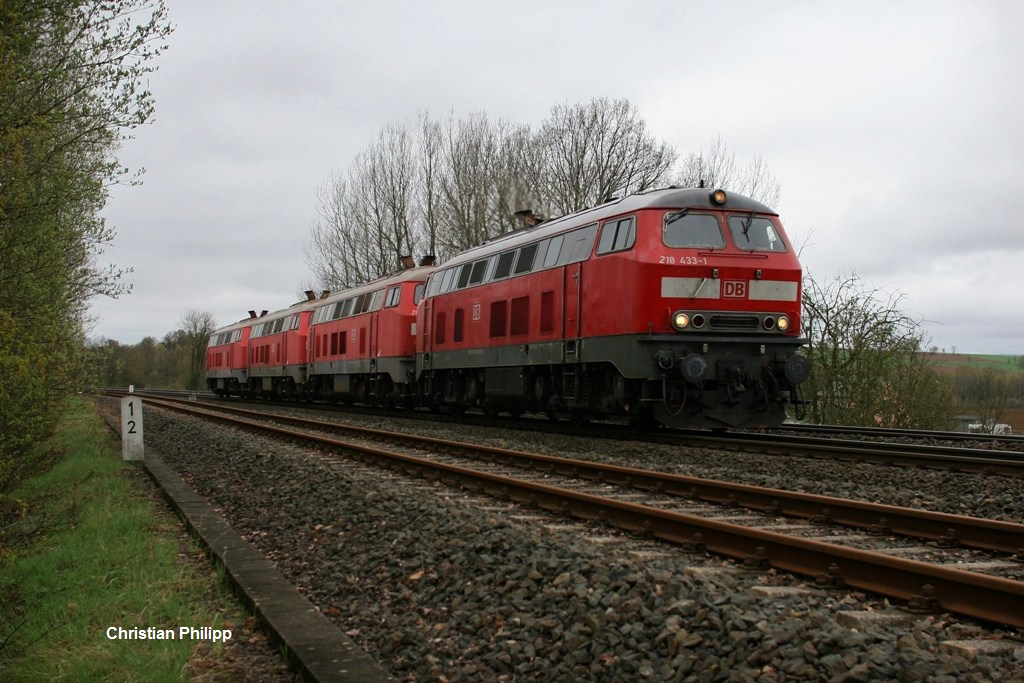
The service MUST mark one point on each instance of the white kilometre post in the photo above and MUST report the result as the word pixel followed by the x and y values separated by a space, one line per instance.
pixel 131 428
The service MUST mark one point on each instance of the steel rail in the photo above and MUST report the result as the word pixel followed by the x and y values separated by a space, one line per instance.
pixel 912 455
pixel 933 586
pixel 947 529
pixel 890 433
pixel 1001 462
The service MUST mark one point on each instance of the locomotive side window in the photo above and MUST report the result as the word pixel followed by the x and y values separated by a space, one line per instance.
pixel 578 244
pixel 433 284
pixel 692 230
pixel 617 235
pixel 753 233
pixel 476 273
pixel 464 276
pixel 492 262
pixel 554 246
pixel 504 264
pixel 418 294
pixel 446 281
pixel 525 262
pixel 394 295
pixel 376 300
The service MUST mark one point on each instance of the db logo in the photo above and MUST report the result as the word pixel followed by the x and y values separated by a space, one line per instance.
pixel 734 289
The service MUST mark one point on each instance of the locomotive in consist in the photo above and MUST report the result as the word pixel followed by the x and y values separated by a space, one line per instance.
pixel 362 341
pixel 680 306
pixel 353 346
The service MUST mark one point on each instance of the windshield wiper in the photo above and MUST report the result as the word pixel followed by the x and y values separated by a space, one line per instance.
pixel 746 224
pixel 673 217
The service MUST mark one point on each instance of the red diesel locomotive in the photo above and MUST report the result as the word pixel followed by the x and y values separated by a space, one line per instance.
pixel 680 306
pixel 677 305
pixel 227 358
pixel 362 341
pixel 353 346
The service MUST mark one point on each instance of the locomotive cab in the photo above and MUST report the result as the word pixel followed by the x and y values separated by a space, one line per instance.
pixel 730 292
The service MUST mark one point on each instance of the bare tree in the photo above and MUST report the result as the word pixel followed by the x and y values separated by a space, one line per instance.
pixel 711 167
pixel 446 186
pixel 367 218
pixel 470 168
pixel 329 251
pixel 587 153
pixel 431 139
pixel 866 369
pixel 716 167
pixel 196 327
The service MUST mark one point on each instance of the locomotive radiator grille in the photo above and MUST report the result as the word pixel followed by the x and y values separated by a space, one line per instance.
pixel 734 322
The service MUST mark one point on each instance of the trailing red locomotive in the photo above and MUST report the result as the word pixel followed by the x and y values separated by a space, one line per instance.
pixel 353 346
pixel 227 359
pixel 362 341
pixel 680 306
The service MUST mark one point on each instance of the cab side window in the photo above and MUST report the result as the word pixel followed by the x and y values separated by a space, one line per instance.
pixel 617 235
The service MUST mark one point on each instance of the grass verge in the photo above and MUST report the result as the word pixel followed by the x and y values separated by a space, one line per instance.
pixel 83 549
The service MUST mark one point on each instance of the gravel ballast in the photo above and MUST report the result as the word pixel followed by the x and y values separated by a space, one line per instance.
pixel 442 585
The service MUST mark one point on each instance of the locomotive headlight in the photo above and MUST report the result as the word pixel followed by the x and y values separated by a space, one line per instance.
pixel 680 320
pixel 782 323
pixel 718 197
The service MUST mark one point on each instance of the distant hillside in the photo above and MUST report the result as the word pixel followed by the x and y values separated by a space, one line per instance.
pixel 952 362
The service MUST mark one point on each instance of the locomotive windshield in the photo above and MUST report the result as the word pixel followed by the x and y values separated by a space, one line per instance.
pixel 752 233
pixel 693 230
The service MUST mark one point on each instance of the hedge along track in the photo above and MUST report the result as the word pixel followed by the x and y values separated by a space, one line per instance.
pixel 924 585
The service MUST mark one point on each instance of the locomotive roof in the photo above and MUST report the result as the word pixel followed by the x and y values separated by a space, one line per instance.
pixel 244 322
pixel 417 273
pixel 668 198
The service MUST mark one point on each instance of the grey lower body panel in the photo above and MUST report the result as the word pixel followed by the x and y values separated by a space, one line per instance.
pixel 682 380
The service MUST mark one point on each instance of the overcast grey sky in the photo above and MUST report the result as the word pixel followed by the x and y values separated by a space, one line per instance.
pixel 896 130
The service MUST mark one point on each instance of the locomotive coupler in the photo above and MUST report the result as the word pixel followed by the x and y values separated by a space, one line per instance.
pixel 736 377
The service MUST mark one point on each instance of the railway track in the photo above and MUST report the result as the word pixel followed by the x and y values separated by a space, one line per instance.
pixel 807 441
pixel 1002 441
pixel 749 523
